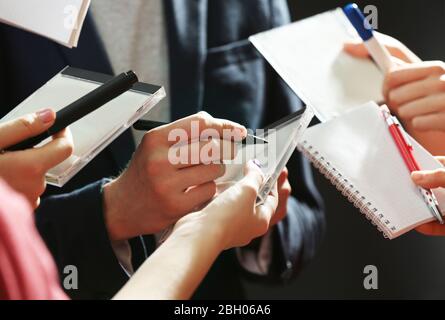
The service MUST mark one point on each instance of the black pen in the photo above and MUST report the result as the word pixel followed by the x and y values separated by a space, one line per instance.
pixel 82 107
pixel 147 125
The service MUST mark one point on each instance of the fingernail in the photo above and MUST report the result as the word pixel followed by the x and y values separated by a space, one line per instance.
pixel 257 163
pixel 417 176
pixel 45 115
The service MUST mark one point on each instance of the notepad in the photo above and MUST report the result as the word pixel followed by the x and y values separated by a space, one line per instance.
pixel 357 154
pixel 97 130
pixel 283 137
pixel 58 20
pixel 309 56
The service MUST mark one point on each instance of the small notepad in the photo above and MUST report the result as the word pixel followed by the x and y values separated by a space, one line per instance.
pixel 357 154
pixel 283 137
pixel 97 130
pixel 309 56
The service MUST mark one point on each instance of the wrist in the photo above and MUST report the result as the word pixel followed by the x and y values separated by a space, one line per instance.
pixel 111 205
pixel 198 227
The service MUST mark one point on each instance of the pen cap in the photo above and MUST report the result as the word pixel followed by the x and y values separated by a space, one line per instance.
pixel 358 20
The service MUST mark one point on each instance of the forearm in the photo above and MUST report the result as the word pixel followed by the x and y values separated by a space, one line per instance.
pixel 176 268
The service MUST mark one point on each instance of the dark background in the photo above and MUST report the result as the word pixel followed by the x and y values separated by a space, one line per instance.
pixel 410 267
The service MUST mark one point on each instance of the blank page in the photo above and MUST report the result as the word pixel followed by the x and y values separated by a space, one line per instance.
pixel 309 56
pixel 359 146
pixel 58 20
pixel 95 131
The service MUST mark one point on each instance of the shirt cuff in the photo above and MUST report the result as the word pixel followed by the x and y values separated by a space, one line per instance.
pixel 122 250
pixel 257 261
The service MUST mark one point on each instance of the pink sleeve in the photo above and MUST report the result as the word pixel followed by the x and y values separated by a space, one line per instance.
pixel 27 271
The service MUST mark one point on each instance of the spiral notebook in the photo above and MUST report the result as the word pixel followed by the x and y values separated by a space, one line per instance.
pixel 357 154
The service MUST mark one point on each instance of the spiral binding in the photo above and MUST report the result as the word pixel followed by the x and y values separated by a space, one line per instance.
pixel 347 189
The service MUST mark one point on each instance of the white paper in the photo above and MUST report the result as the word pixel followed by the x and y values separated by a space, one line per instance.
pixel 95 131
pixel 58 20
pixel 358 145
pixel 273 156
pixel 309 56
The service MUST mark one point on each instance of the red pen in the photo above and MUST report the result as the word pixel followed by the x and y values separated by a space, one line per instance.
pixel 406 150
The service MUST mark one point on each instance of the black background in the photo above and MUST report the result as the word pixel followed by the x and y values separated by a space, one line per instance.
pixel 412 266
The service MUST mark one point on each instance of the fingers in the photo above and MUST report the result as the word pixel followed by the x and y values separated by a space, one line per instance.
pixel 423 106
pixel 18 130
pixel 202 152
pixel 359 50
pixel 431 122
pixel 432 229
pixel 253 178
pixel 415 90
pixel 198 196
pixel 52 153
pixel 203 125
pixel 282 179
pixel 197 175
pixel 429 179
pixel 413 72
pixel 356 49
pixel 268 209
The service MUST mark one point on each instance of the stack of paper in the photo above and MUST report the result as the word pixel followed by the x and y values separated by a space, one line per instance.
pixel 58 20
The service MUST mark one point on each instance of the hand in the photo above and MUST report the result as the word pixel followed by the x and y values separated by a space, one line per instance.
pixel 25 170
pixel 154 192
pixel 416 93
pixel 431 180
pixel 284 191
pixel 233 216
pixel 400 53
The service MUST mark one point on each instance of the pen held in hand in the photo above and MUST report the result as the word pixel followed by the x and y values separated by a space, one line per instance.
pixel 147 125
pixel 82 107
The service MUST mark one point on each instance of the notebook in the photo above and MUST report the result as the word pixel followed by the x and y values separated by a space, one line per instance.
pixel 309 56
pixel 58 20
pixel 97 130
pixel 283 137
pixel 357 154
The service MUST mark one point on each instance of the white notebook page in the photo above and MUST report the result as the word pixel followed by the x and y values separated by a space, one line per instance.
pixel 358 144
pixel 309 56
pixel 58 20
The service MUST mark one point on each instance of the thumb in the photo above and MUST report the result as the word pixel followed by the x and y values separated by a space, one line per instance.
pixel 25 127
pixel 253 177
pixel 429 179
pixel 359 50
pixel 356 49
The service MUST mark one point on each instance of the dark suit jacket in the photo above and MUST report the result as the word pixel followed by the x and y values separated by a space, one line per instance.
pixel 214 68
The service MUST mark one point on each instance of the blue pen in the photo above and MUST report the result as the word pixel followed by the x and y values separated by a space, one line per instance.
pixel 377 51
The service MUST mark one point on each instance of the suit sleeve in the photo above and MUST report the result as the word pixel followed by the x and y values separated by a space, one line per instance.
pixel 73 228
pixel 296 238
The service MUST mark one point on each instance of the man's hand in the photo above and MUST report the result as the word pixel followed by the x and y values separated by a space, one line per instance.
pixel 154 192
pixel 25 170
pixel 431 180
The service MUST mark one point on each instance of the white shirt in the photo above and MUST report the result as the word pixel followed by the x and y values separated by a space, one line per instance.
pixel 135 37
